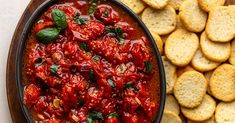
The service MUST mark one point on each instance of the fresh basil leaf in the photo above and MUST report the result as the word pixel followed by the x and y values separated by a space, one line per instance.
pixel 92 74
pixel 80 20
pixel 148 66
pixel 96 58
pixel 48 35
pixel 39 62
pixel 114 114
pixel 59 18
pixel 111 83
pixel 83 46
pixel 54 68
pixel 118 32
pixel 95 115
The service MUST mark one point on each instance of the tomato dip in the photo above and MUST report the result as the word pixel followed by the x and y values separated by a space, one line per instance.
pixel 89 62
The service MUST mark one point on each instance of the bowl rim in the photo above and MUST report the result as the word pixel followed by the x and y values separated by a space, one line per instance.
pixel 39 11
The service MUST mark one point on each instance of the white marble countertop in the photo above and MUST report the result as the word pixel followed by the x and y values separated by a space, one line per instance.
pixel 10 12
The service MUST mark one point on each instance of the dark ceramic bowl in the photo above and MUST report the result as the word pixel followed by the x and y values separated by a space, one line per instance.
pixel 26 30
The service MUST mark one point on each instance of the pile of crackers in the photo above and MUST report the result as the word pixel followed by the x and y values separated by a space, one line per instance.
pixel 196 39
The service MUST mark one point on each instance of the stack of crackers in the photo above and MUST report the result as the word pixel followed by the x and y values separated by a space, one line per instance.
pixel 196 39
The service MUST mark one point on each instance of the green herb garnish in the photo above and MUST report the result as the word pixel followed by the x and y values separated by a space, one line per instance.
pixel 80 20
pixel 96 58
pixel 92 8
pixel 83 46
pixel 114 114
pixel 130 86
pixel 106 13
pixel 92 74
pixel 48 35
pixel 59 18
pixel 89 120
pixel 118 32
pixel 54 68
pixel 95 115
pixel 148 66
pixel 111 83
pixel 39 62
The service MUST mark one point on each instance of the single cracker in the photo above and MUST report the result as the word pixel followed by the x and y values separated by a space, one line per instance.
pixel 222 83
pixel 135 5
pixel 232 55
pixel 193 18
pixel 214 51
pixel 208 77
pixel 171 75
pixel 225 112
pixel 202 64
pixel 207 5
pixel 161 21
pixel 190 88
pixel 203 112
pixel 156 4
pixel 221 24
pixel 171 104
pixel 211 120
pixel 170 117
pixel 176 3
pixel 158 41
pixel 181 70
pixel 181 46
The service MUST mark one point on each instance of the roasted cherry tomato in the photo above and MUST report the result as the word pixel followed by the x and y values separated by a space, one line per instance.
pixel 31 94
pixel 107 14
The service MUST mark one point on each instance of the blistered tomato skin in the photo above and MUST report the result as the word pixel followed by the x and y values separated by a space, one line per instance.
pixel 91 30
pixel 31 94
pixel 94 71
pixel 106 14
pixel 42 25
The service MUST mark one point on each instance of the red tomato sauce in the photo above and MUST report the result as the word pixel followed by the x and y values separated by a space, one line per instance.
pixel 99 69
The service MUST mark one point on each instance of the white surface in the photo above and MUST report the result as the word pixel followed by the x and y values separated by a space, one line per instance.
pixel 10 12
